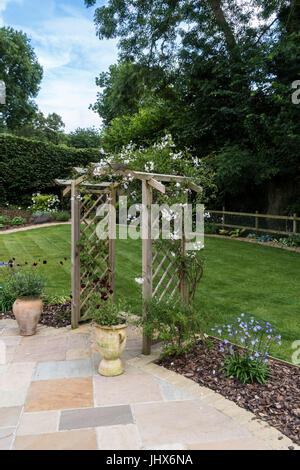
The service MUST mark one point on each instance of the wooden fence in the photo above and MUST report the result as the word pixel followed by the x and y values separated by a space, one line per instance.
pixel 266 223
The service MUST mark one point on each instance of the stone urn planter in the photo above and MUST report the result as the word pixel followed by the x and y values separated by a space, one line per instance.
pixel 111 342
pixel 28 313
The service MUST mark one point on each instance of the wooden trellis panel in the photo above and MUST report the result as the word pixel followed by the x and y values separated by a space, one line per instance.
pixel 166 280
pixel 85 218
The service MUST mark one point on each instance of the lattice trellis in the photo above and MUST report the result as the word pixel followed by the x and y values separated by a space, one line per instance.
pixel 161 276
pixel 94 247
pixel 166 279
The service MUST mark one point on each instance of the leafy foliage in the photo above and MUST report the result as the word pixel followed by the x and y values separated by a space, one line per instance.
pixel 28 166
pixel 84 138
pixel 23 282
pixel 178 326
pixel 22 74
pixel 223 84
pixel 249 364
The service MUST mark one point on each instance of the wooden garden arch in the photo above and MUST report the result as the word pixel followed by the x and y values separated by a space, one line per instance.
pixel 154 259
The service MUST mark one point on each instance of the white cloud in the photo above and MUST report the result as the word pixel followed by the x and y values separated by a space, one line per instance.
pixel 72 56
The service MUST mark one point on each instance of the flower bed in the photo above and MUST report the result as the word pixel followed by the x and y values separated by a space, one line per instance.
pixel 277 402
pixel 54 315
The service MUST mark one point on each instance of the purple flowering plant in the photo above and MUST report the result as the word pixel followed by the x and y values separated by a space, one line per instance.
pixel 246 344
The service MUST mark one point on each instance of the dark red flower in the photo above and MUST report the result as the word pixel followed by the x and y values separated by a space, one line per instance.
pixel 95 281
pixel 35 265
pixel 83 286
pixel 44 262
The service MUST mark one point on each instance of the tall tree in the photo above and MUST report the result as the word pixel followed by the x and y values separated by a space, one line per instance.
pixel 231 78
pixel 22 74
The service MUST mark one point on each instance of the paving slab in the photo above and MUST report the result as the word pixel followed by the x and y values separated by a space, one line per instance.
pixel 63 369
pixel 235 444
pixel 78 354
pixel 95 417
pixel 60 394
pixel 11 398
pixel 70 440
pixel 9 417
pixel 38 423
pixel 79 341
pixel 170 392
pixel 17 376
pixel 185 422
pixel 41 349
pixel 6 438
pixel 126 389
pixel 119 438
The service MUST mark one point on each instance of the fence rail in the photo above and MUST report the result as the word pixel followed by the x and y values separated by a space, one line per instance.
pixel 265 223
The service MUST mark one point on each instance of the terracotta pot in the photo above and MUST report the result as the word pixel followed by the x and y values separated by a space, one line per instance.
pixel 28 313
pixel 111 342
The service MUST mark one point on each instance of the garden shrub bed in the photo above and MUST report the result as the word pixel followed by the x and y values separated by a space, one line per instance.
pixel 54 315
pixel 277 402
pixel 253 240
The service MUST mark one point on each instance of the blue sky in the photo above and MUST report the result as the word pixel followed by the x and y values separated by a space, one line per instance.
pixel 62 33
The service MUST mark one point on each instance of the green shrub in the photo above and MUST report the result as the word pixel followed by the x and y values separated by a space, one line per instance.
pixel 4 220
pixel 44 203
pixel 28 166
pixel 38 214
pixel 25 283
pixel 7 298
pixel 62 216
pixel 253 236
pixel 17 221
pixel 178 326
pixel 210 228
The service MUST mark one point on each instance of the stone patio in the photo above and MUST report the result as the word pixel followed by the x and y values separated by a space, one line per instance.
pixel 52 398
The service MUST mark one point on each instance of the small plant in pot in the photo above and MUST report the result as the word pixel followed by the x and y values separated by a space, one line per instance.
pixel 27 286
pixel 110 333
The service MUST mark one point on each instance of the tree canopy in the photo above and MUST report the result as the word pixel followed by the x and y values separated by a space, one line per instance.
pixel 22 75
pixel 222 73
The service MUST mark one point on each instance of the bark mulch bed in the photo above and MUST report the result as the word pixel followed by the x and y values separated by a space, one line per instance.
pixel 277 403
pixel 56 316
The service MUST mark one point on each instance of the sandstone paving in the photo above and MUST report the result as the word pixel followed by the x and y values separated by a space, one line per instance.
pixel 63 369
pixel 46 395
pixel 96 417
pixel 185 422
pixel 126 389
pixel 41 349
pixel 6 438
pixel 38 423
pixel 52 398
pixel 10 416
pixel 69 440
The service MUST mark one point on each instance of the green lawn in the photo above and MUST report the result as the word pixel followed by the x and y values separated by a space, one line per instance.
pixel 239 277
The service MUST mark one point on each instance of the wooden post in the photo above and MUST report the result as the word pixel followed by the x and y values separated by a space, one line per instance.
pixel 183 279
pixel 295 224
pixel 112 238
pixel 75 255
pixel 147 256
pixel 256 220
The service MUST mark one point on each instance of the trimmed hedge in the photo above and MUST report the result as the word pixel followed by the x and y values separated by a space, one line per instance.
pixel 28 166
